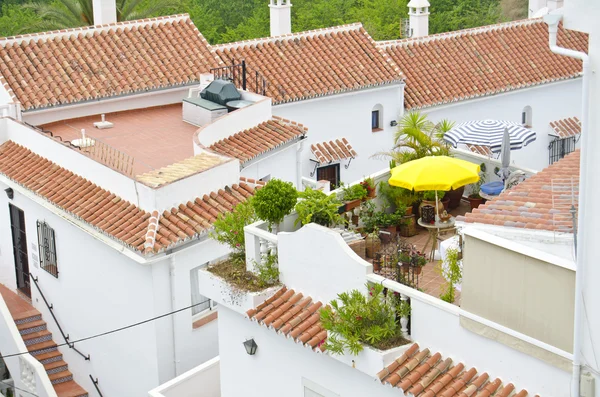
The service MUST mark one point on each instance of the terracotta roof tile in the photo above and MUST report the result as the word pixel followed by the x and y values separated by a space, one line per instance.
pixel 113 216
pixel 541 202
pixel 566 128
pixel 314 63
pixel 326 152
pixel 181 169
pixel 416 372
pixel 476 62
pixel 58 68
pixel 251 143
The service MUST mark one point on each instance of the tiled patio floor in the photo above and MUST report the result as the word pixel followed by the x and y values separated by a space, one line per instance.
pixel 430 280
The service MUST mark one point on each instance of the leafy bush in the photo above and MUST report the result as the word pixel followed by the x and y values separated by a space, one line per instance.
pixel 229 229
pixel 429 195
pixel 268 273
pixel 383 219
pixel 274 201
pixel 354 192
pixel 358 319
pixel 315 206
pixel 367 216
pixel 452 272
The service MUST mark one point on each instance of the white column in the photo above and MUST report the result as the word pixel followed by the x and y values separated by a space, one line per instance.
pixel 105 11
pixel 281 17
pixel 418 13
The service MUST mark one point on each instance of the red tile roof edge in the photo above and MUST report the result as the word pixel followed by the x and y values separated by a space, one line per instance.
pixel 172 228
pixel 567 127
pixel 415 372
pixel 249 154
pixel 91 28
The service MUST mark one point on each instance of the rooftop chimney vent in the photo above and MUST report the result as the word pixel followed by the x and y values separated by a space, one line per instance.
pixel 103 124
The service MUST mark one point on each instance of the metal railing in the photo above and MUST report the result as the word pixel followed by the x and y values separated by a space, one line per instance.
pixel 95 382
pixel 559 148
pixel 241 76
pixel 51 309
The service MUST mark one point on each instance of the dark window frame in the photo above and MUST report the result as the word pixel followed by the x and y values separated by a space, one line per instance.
pixel 47 248
pixel 375 122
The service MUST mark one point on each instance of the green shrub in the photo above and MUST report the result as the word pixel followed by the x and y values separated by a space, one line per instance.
pixel 315 206
pixel 354 192
pixel 268 272
pixel 229 229
pixel 358 319
pixel 274 201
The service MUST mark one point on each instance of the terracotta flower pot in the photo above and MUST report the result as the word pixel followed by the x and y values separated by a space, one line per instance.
pixel 409 211
pixel 350 205
pixel 455 196
pixel 405 267
pixel 475 202
pixel 417 269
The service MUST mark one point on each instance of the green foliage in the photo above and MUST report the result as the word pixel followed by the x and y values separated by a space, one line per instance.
pixel 452 273
pixel 315 206
pixel 403 308
pixel 274 201
pixel 268 272
pixel 9 393
pixel 476 187
pixel 417 137
pixel 15 18
pixel 354 319
pixel 383 219
pixel 396 196
pixel 429 195
pixel 354 192
pixel 368 183
pixel 229 228
pixel 367 216
pixel 60 14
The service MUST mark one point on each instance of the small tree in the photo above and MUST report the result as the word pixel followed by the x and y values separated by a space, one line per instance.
pixel 274 201
pixel 229 229
pixel 318 207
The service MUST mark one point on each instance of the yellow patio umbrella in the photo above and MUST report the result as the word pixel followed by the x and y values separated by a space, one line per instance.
pixel 434 173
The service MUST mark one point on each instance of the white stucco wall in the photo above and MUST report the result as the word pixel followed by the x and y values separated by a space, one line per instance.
pixel 99 289
pixel 349 116
pixel 549 102
pixel 280 164
pixel 279 365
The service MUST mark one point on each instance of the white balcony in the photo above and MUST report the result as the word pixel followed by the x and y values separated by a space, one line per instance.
pixel 202 381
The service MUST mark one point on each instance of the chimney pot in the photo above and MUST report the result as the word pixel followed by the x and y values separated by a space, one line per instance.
pixel 281 17
pixel 105 11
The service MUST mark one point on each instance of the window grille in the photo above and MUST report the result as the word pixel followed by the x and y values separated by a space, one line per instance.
pixel 47 248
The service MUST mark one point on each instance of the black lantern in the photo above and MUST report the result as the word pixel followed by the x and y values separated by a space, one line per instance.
pixel 393 123
pixel 10 193
pixel 250 346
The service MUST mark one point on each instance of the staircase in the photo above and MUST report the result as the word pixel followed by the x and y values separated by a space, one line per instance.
pixel 39 342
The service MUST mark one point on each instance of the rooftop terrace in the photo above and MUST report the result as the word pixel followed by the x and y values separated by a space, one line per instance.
pixel 153 137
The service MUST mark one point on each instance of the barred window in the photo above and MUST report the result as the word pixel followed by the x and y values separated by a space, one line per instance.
pixel 47 248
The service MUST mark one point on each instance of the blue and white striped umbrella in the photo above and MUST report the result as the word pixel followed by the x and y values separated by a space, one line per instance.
pixel 489 133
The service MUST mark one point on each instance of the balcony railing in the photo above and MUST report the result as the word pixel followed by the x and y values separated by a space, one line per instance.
pixel 202 381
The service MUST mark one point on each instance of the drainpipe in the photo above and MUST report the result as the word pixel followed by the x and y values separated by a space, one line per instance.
pixel 173 308
pixel 299 164
pixel 581 257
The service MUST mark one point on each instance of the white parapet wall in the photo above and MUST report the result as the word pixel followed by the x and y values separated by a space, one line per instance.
pixel 28 374
pixel 202 381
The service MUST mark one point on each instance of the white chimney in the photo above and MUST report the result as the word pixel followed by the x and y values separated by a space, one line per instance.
pixel 418 13
pixel 555 4
pixel 105 11
pixel 281 17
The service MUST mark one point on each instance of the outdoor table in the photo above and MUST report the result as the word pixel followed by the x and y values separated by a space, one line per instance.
pixel 433 229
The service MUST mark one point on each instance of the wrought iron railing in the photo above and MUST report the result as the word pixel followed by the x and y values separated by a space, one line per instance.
pixel 95 382
pixel 240 75
pixel 51 309
pixel 386 261
pixel 559 148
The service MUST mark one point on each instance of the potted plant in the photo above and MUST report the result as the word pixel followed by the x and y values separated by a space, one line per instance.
pixel 454 196
pixel 353 195
pixel 475 200
pixel 274 201
pixel 417 261
pixel 315 206
pixel 396 196
pixel 387 222
pixel 404 259
pixel 369 185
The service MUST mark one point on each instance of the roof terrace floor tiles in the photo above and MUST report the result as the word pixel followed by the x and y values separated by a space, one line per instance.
pixel 155 137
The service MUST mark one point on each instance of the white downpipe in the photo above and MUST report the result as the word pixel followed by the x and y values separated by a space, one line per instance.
pixel 173 308
pixel 581 257
pixel 299 165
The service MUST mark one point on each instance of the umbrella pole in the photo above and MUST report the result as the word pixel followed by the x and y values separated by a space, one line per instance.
pixel 437 210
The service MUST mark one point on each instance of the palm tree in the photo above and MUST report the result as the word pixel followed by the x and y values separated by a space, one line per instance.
pixel 418 137
pixel 63 14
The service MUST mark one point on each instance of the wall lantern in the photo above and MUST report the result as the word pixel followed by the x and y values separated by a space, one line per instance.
pixel 393 123
pixel 10 193
pixel 250 346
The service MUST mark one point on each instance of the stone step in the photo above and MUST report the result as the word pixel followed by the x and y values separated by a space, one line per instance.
pixel 61 377
pixel 27 316
pixel 51 356
pixel 32 326
pixel 70 389
pixel 56 366
pixel 37 337
pixel 40 348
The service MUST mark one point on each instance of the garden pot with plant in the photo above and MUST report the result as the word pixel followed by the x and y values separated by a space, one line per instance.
pixel 475 200
pixel 315 206
pixel 454 195
pixel 369 185
pixel 417 261
pixel 404 260
pixel 429 199
pixel 274 201
pixel 398 197
pixel 387 222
